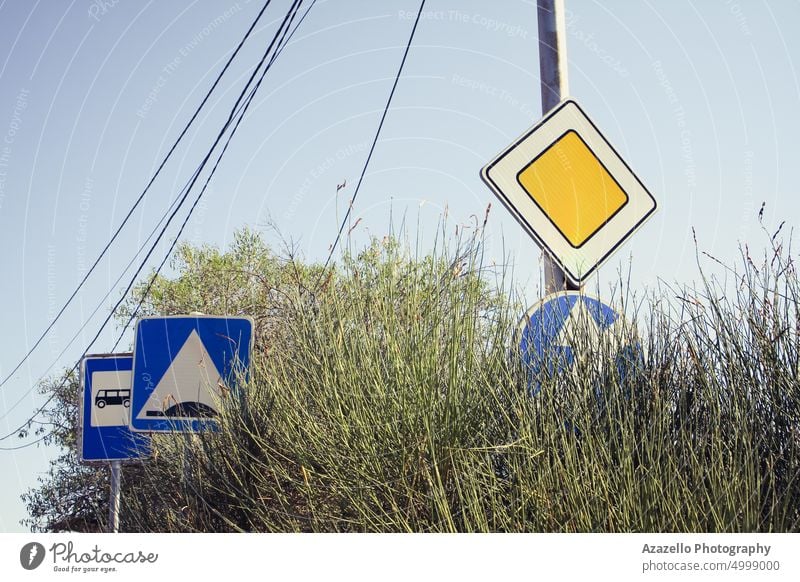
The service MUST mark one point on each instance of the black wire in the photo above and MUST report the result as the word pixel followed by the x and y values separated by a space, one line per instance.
pixel 100 304
pixel 138 200
pixel 28 422
pixel 26 445
pixel 280 32
pixel 372 148
pixel 248 98
pixel 281 45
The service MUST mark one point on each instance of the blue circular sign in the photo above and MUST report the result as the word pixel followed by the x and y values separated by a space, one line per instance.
pixel 563 326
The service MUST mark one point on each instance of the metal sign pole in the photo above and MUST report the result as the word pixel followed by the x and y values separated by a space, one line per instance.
pixel 113 503
pixel 554 86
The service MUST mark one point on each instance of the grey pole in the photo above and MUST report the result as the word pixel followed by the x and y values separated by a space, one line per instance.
pixel 113 502
pixel 554 86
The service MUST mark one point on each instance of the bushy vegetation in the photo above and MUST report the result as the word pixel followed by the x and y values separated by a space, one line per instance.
pixel 386 395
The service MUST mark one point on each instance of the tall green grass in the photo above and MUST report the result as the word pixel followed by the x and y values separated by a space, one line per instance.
pixel 390 397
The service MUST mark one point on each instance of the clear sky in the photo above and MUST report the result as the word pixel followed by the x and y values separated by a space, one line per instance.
pixel 701 99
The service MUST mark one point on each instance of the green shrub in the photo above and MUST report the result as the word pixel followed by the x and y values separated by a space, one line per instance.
pixel 386 396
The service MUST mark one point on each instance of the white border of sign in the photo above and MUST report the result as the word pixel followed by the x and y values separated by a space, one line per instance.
pixel 501 175
pixel 82 410
pixel 183 422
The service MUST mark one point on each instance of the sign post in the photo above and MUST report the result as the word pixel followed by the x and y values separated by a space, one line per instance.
pixel 105 411
pixel 113 503
pixel 564 328
pixel 572 192
pixel 104 418
pixel 554 86
pixel 562 180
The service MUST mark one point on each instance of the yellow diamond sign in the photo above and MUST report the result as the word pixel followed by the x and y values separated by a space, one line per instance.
pixel 570 190
pixel 571 186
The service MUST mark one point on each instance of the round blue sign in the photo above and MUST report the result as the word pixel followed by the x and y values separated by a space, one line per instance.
pixel 566 325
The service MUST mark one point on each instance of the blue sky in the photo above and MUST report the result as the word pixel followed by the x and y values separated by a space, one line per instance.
pixel 700 98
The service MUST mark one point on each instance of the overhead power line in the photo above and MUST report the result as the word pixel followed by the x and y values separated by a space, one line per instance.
pixel 372 147
pixel 237 112
pixel 100 304
pixel 138 199
pixel 281 45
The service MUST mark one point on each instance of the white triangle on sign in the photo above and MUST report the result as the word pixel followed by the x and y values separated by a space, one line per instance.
pixel 581 332
pixel 578 322
pixel 192 378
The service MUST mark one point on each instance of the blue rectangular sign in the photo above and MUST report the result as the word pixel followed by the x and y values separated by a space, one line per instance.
pixel 183 367
pixel 105 411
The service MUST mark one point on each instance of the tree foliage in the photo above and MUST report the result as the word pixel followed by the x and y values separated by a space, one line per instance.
pixel 70 496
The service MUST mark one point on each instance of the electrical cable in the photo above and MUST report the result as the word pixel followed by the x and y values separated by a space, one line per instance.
pixel 372 147
pixel 100 304
pixel 292 10
pixel 137 201
pixel 281 46
pixel 280 32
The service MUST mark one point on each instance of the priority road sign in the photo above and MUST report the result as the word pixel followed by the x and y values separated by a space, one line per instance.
pixel 105 411
pixel 182 368
pixel 567 326
pixel 570 190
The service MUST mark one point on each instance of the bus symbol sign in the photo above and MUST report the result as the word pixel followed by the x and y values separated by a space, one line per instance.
pixel 106 409
pixel 113 397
